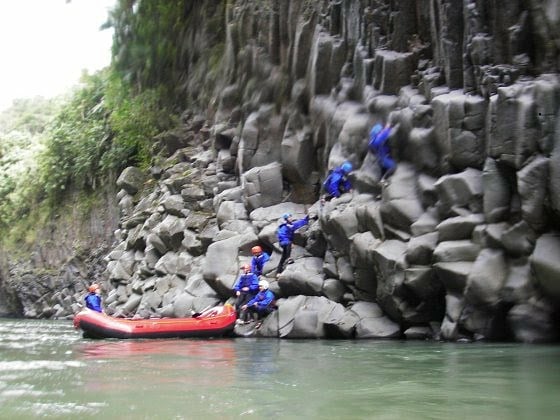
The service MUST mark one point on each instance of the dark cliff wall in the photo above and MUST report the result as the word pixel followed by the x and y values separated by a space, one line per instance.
pixel 461 244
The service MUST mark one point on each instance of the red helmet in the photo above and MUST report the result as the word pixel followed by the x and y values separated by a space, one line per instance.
pixel 256 250
pixel 246 268
pixel 93 287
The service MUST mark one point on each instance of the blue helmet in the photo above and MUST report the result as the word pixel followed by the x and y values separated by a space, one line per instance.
pixel 376 129
pixel 346 167
pixel 286 216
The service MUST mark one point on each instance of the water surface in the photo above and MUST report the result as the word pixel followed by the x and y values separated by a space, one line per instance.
pixel 47 370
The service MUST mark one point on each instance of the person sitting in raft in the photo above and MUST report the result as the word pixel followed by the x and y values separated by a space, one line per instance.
pixel 260 306
pixel 258 261
pixel 285 234
pixel 337 182
pixel 93 298
pixel 379 145
pixel 246 287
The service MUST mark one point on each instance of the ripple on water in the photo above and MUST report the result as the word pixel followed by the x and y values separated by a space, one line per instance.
pixel 18 365
pixel 41 409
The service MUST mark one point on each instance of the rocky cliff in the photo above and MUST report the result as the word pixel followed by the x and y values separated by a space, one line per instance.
pixel 463 242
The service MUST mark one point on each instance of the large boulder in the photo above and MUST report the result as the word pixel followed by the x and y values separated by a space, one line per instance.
pixel 306 317
pixel 304 277
pixel 486 278
pixel 131 180
pixel 546 264
pixel 373 323
pixel 262 186
pixel 533 322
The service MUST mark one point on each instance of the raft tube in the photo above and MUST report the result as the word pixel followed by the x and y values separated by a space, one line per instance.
pixel 214 322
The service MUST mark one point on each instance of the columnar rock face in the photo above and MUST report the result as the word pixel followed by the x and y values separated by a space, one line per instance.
pixel 459 245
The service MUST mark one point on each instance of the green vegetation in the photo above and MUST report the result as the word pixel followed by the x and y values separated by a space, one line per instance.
pixel 55 150
pixel 79 143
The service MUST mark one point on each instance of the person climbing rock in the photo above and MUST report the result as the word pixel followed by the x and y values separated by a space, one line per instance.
pixel 246 287
pixel 285 234
pixel 337 182
pixel 258 261
pixel 379 146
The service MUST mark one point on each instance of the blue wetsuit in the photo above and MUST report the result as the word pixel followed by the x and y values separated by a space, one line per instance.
pixel 93 302
pixel 378 144
pixel 250 281
pixel 337 183
pixel 285 235
pixel 257 263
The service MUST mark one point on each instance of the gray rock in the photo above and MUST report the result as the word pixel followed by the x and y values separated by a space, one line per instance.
pixel 486 278
pixel 463 189
pixel 453 275
pixel 497 192
pixel 519 239
pixel 334 290
pixel 372 323
pixel 426 223
pixel 262 186
pixel 454 251
pixel 418 333
pixel 423 282
pixel 131 180
pixel 533 323
pixel 421 248
pixel 546 264
pixel 305 317
pixel 171 231
pixel 533 191
pixel 519 285
pixel 304 277
pixel 459 227
pixel 174 205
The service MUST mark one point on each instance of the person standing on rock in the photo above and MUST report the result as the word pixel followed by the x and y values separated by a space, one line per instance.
pixel 246 287
pixel 337 182
pixel 261 305
pixel 285 234
pixel 258 261
pixel 93 298
pixel 379 145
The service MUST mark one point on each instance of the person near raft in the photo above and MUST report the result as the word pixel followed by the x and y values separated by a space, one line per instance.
pixel 261 305
pixel 93 298
pixel 246 287
pixel 379 145
pixel 258 261
pixel 337 182
pixel 285 234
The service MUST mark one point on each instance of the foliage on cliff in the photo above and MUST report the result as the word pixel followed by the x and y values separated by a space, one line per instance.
pixel 170 46
pixel 81 142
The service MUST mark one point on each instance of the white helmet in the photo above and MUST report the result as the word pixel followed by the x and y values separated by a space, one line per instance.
pixel 263 284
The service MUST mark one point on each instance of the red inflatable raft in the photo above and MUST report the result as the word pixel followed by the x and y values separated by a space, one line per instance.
pixel 213 322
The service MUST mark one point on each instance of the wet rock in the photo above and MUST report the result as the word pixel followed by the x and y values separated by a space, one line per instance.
pixel 131 180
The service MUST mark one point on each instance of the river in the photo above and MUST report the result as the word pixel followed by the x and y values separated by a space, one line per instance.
pixel 47 370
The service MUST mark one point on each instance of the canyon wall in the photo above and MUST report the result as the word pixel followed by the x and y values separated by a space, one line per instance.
pixel 461 244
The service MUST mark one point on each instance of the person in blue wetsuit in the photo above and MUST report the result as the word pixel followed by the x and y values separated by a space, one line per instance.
pixel 379 145
pixel 285 234
pixel 246 287
pixel 337 182
pixel 93 298
pixel 261 305
pixel 258 261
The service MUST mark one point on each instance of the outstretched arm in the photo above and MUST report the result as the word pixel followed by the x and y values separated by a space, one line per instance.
pixel 383 136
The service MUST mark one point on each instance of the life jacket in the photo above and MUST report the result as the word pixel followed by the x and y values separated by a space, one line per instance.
pixel 333 178
pixel 336 182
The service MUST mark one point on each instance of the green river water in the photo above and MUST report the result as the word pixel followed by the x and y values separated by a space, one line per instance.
pixel 47 370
